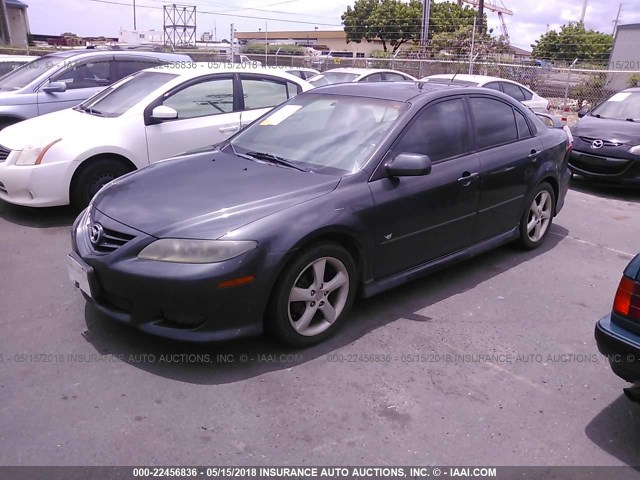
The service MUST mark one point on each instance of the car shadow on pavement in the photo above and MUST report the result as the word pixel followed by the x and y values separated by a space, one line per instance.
pixel 616 192
pixel 232 361
pixel 615 430
pixel 37 217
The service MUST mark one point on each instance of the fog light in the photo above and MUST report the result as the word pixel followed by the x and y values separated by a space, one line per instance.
pixel 182 318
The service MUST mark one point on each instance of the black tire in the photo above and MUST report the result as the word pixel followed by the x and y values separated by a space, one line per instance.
pixel 530 241
pixel 282 314
pixel 93 176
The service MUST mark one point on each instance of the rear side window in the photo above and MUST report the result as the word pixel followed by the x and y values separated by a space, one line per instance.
pixel 494 122
pixel 523 127
pixel 125 68
pixel 439 131
pixel 394 77
pixel 493 86
pixel 376 77
pixel 513 91
pixel 527 94
pixel 264 93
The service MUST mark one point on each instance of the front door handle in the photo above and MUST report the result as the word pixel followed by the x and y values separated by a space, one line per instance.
pixel 235 128
pixel 467 178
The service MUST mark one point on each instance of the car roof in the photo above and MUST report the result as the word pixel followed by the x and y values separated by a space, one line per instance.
pixel 105 53
pixel 469 78
pixel 395 91
pixel 361 71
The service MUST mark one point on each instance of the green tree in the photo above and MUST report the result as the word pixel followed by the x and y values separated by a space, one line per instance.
pixel 573 41
pixel 458 43
pixel 396 22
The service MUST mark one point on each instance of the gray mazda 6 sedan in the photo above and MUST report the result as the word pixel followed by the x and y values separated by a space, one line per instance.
pixel 343 190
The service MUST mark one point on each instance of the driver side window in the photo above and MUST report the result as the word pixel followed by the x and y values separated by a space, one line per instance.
pixel 439 131
pixel 86 75
pixel 211 97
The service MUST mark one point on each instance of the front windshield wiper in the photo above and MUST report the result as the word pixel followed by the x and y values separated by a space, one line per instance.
pixel 277 160
pixel 89 110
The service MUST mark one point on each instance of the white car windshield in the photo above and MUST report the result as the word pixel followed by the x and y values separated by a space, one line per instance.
pixel 328 78
pixel 621 106
pixel 330 134
pixel 120 97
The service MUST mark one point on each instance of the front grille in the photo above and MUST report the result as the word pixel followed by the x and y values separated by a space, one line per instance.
pixel 111 240
pixel 605 143
pixel 598 165
pixel 4 153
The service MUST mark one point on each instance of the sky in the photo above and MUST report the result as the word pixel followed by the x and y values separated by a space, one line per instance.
pixel 530 18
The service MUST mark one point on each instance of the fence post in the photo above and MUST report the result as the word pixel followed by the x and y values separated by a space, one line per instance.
pixel 566 88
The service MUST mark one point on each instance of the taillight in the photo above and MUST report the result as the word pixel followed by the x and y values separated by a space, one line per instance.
pixel 627 301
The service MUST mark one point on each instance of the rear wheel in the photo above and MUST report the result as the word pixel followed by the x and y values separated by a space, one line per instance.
pixel 93 176
pixel 313 296
pixel 538 216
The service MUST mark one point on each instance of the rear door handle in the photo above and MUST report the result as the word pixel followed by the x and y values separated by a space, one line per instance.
pixel 533 156
pixel 467 178
pixel 235 128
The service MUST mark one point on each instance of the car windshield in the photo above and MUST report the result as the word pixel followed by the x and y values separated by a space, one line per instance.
pixel 330 134
pixel 26 74
pixel 328 78
pixel 621 106
pixel 120 97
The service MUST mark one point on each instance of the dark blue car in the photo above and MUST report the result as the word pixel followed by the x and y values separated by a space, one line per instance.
pixel 618 334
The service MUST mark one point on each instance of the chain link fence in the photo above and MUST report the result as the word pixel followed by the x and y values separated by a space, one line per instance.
pixel 568 88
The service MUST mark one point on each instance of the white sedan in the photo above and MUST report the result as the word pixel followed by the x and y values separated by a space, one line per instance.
pixel 67 156
pixel 514 89
pixel 346 75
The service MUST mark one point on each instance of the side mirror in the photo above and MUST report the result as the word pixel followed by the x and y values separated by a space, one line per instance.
pixel 55 87
pixel 162 112
pixel 409 165
pixel 583 112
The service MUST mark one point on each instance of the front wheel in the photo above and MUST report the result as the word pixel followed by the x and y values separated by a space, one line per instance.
pixel 538 216
pixel 313 296
pixel 93 176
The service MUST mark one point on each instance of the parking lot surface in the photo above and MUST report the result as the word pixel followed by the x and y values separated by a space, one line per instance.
pixel 490 362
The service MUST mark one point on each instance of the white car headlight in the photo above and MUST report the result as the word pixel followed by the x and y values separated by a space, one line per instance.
pixel 635 150
pixel 33 155
pixel 179 250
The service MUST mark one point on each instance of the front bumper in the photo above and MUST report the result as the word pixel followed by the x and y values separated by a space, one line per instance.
pixel 45 185
pixel 171 300
pixel 604 168
pixel 621 347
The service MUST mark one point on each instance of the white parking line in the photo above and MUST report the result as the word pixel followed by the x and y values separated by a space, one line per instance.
pixel 630 255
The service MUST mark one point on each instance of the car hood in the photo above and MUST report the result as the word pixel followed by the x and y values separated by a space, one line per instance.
pixel 606 129
pixel 42 130
pixel 206 195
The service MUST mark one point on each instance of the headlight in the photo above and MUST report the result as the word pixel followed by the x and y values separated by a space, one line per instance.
pixel 195 251
pixel 635 150
pixel 33 155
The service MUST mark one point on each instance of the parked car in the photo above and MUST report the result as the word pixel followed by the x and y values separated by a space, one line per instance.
pixel 303 73
pixel 68 156
pixel 344 75
pixel 8 63
pixel 553 121
pixel 279 227
pixel 607 140
pixel 618 334
pixel 64 79
pixel 514 89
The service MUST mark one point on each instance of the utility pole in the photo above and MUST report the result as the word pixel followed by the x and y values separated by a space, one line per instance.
pixel 481 15
pixel 5 34
pixel 424 33
pixel 584 11
pixel 134 16
pixel 617 20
